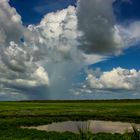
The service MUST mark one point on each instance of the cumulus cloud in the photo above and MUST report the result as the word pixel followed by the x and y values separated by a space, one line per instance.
pixel 118 78
pixel 18 71
pixel 57 33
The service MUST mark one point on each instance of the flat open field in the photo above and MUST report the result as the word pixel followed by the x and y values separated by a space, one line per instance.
pixel 16 114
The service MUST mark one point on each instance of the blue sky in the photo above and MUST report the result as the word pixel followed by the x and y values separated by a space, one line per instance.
pixel 127 11
pixel 33 11
pixel 128 60
pixel 52 56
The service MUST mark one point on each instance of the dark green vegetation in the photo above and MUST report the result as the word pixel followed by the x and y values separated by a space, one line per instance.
pixel 16 114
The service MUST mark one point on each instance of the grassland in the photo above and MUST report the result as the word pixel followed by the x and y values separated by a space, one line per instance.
pixel 16 114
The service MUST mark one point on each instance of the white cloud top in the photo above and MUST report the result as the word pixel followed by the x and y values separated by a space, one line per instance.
pixel 118 78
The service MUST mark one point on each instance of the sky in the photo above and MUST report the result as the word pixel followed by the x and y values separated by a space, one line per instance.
pixel 38 8
pixel 69 49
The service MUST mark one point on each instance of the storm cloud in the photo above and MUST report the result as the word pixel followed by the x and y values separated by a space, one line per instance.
pixel 96 20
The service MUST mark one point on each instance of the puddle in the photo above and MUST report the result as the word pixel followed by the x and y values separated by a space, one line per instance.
pixel 92 125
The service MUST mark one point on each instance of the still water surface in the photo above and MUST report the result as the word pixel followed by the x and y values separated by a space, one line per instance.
pixel 93 125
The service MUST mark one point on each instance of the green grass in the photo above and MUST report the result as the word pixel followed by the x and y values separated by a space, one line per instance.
pixel 18 134
pixel 15 114
pixel 105 110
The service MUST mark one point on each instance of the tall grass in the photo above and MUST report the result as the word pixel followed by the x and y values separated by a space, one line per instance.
pixel 136 133
pixel 85 133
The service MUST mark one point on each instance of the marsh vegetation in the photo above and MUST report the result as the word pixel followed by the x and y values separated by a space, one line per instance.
pixel 13 115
